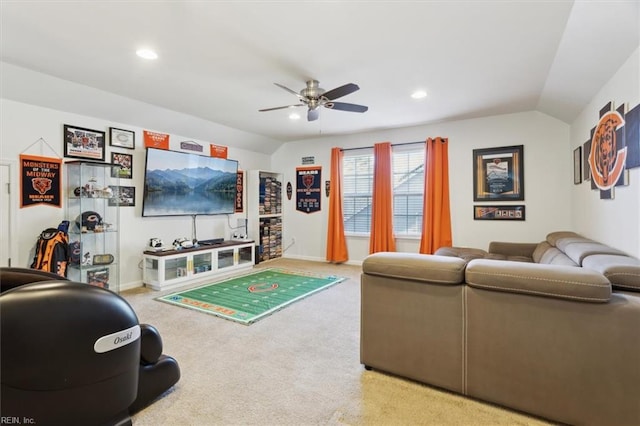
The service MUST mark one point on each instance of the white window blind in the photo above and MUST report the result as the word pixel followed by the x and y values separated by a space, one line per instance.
pixel 408 184
pixel 357 169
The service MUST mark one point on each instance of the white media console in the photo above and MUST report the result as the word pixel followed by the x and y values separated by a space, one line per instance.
pixel 163 270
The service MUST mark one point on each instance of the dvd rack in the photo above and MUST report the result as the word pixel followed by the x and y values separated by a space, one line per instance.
pixel 270 238
pixel 265 213
pixel 270 196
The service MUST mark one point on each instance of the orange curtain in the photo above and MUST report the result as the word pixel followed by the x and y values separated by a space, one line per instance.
pixel 381 238
pixel 436 216
pixel 336 242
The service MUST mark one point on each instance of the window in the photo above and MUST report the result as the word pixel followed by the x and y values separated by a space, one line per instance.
pixel 408 188
pixel 357 169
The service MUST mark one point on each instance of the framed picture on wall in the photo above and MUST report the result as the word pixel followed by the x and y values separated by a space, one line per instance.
pixel 122 138
pixel 499 212
pixel 577 165
pixel 498 174
pixel 83 143
pixel 125 161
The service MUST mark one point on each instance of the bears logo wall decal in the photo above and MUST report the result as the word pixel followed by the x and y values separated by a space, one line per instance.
pixel 605 159
pixel 613 149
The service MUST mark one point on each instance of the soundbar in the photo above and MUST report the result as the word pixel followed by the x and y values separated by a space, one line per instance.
pixel 211 242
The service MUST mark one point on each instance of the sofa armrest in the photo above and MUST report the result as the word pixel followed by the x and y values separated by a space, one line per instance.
pixel 416 267
pixel 512 249
pixel 561 282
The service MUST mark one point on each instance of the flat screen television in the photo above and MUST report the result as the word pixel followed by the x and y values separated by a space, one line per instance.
pixel 184 184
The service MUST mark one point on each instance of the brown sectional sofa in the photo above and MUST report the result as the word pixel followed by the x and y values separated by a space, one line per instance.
pixel 551 329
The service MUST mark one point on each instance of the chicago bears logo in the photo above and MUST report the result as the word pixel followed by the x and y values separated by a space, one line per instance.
pixel 262 287
pixel 605 159
pixel 307 180
pixel 42 185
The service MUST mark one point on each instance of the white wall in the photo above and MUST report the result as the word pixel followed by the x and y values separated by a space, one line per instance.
pixel 23 124
pixel 547 170
pixel 615 222
pixel 35 88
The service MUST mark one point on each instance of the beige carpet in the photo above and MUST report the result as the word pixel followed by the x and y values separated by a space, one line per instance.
pixel 299 366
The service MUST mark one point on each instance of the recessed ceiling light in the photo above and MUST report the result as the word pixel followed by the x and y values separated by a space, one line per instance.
pixel 294 116
pixel 419 94
pixel 147 54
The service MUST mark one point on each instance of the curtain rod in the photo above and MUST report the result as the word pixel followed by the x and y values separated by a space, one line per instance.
pixel 393 144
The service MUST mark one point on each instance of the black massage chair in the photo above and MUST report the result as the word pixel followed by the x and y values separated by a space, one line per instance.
pixel 75 354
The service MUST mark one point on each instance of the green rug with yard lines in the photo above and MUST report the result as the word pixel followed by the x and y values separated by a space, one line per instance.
pixel 250 297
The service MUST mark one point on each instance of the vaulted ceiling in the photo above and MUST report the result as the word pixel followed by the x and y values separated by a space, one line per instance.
pixel 218 61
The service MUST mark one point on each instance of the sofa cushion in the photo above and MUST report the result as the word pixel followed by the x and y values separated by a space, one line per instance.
pixel 579 248
pixel 563 282
pixel 555 236
pixel 417 267
pixel 498 256
pixel 563 243
pixel 541 248
pixel 466 253
pixel 509 249
pixel 553 256
pixel 622 271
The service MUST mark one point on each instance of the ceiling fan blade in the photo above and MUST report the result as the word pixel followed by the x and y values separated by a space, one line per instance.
pixel 289 90
pixel 341 91
pixel 313 114
pixel 346 107
pixel 282 107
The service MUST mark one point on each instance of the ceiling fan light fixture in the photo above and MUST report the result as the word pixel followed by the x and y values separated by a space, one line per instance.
pixel 147 54
pixel 314 97
pixel 419 94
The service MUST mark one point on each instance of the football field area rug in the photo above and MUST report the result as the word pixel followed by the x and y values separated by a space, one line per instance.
pixel 248 298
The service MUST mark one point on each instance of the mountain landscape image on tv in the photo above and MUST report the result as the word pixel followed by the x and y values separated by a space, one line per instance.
pixel 181 184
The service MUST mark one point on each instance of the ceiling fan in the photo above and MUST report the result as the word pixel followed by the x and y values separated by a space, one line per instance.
pixel 313 96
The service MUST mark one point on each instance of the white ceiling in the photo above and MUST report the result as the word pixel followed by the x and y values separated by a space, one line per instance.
pixel 218 60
